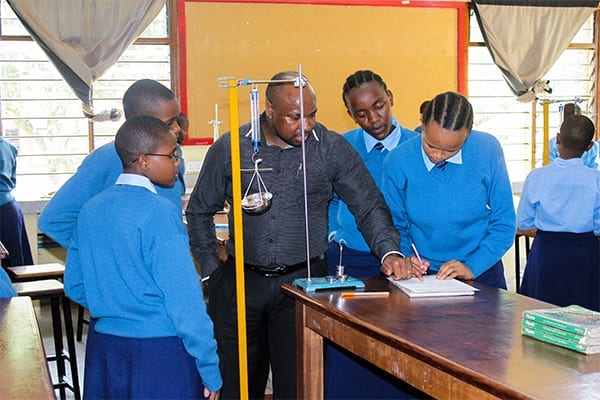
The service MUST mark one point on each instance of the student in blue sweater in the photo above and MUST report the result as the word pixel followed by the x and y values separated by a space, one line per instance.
pixel 130 264
pixel 561 202
pixel 101 168
pixel 450 195
pixel 369 103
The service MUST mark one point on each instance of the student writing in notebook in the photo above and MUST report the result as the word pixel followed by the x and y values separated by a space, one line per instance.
pixel 450 195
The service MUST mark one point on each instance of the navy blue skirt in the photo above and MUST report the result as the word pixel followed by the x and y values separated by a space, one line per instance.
pixel 563 269
pixel 131 368
pixel 14 235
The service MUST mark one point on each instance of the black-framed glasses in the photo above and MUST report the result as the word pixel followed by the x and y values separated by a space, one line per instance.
pixel 173 156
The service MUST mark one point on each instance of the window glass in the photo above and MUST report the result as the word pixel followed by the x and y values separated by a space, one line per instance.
pixel 498 112
pixel 42 116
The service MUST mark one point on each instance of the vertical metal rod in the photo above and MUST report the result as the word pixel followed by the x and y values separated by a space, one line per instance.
pixel 303 129
pixel 545 104
pixel 533 132
pixel 236 180
pixel 255 118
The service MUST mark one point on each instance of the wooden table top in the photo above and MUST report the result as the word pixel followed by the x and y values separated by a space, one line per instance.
pixel 23 367
pixel 475 337
pixel 29 272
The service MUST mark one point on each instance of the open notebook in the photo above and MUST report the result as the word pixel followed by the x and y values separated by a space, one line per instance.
pixel 433 287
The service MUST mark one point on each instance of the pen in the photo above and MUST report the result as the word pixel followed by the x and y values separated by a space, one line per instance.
pixel 417 253
pixel 349 295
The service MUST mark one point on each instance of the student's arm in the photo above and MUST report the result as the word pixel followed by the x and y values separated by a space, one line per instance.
pixel 502 227
pixel 99 170
pixel 174 273
pixel 526 210
pixel 596 224
pixel 73 279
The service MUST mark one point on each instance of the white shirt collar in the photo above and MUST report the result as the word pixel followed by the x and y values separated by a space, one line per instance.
pixel 135 180
pixel 390 142
pixel 455 159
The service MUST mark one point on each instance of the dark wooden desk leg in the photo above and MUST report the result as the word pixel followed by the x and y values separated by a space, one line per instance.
pixel 309 360
pixel 517 264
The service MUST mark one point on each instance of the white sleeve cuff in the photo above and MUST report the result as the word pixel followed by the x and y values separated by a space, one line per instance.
pixel 391 252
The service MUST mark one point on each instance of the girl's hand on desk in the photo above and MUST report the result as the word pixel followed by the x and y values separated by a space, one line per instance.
pixel 454 269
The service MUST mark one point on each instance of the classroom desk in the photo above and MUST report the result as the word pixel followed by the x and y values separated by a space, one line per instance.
pixel 451 348
pixel 23 367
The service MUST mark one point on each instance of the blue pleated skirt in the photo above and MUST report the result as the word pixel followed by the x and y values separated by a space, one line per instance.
pixel 563 268
pixel 131 368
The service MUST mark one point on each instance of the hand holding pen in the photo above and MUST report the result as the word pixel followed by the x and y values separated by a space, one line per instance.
pixel 418 263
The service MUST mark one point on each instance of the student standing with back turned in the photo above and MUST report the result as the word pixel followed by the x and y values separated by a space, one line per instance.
pixel 129 263
pixel 369 103
pixel 562 202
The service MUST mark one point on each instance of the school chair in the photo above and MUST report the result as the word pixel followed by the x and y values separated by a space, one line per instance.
pixel 527 239
pixel 53 290
pixel 25 273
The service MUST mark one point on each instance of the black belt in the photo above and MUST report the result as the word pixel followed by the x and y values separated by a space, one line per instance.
pixel 279 270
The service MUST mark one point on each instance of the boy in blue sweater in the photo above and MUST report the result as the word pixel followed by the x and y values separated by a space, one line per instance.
pixel 561 201
pixel 450 196
pixel 101 168
pixel 129 263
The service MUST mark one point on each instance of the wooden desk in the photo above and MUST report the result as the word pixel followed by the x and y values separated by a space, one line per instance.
pixel 37 271
pixel 23 366
pixel 451 348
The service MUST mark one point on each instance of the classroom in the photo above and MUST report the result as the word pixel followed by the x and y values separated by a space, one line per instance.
pixel 491 96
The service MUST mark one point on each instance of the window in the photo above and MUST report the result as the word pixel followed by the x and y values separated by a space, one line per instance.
pixel 43 118
pixel 497 111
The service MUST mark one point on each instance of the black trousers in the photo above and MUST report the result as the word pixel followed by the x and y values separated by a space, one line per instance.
pixel 270 327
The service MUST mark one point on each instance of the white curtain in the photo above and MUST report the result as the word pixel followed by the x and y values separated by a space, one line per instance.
pixel 525 38
pixel 84 38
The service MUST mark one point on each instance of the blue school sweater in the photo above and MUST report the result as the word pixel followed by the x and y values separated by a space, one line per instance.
pixel 464 212
pixel 130 264
pixel 98 171
pixel 341 220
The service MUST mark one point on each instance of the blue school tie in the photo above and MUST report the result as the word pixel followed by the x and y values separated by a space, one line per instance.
pixel 441 165
pixel 379 146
